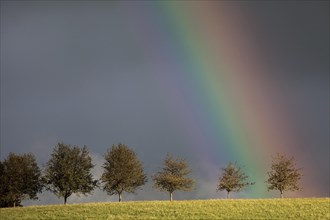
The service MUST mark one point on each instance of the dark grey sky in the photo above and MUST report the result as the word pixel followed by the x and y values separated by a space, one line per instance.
pixel 83 73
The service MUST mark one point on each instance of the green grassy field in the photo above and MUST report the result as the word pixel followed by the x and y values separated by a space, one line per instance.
pixel 318 208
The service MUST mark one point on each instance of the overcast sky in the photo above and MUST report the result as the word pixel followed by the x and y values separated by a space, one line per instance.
pixel 81 73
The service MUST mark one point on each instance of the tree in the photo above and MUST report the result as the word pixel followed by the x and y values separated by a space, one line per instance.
pixel 69 171
pixel 20 179
pixel 284 176
pixel 123 172
pixel 173 176
pixel 233 179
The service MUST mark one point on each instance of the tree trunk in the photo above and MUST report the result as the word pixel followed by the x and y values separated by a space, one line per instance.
pixel 16 200
pixel 171 196
pixel 228 194
pixel 281 195
pixel 65 198
pixel 119 197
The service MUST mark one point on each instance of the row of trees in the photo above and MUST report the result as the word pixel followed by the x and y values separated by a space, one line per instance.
pixel 69 172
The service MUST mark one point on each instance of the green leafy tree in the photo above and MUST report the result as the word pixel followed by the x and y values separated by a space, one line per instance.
pixel 233 179
pixel 173 176
pixel 20 179
pixel 69 171
pixel 284 176
pixel 123 171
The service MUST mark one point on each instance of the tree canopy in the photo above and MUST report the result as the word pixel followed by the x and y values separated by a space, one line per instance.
pixel 173 176
pixel 232 179
pixel 20 179
pixel 69 171
pixel 284 176
pixel 123 171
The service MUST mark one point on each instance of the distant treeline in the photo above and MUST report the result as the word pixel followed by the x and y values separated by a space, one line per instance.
pixel 68 172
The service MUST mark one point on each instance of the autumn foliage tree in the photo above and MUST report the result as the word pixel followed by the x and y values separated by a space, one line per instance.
pixel 233 179
pixel 284 176
pixel 20 179
pixel 69 171
pixel 123 171
pixel 173 176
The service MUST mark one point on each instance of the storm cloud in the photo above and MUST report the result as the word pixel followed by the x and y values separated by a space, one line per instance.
pixel 82 72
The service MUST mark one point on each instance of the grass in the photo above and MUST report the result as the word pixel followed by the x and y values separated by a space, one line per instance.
pixel 315 208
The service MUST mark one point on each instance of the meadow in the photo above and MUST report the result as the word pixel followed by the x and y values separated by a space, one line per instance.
pixel 306 208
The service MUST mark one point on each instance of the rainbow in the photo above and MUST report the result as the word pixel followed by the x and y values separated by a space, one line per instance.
pixel 226 105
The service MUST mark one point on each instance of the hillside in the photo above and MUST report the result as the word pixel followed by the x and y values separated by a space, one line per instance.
pixel 315 208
